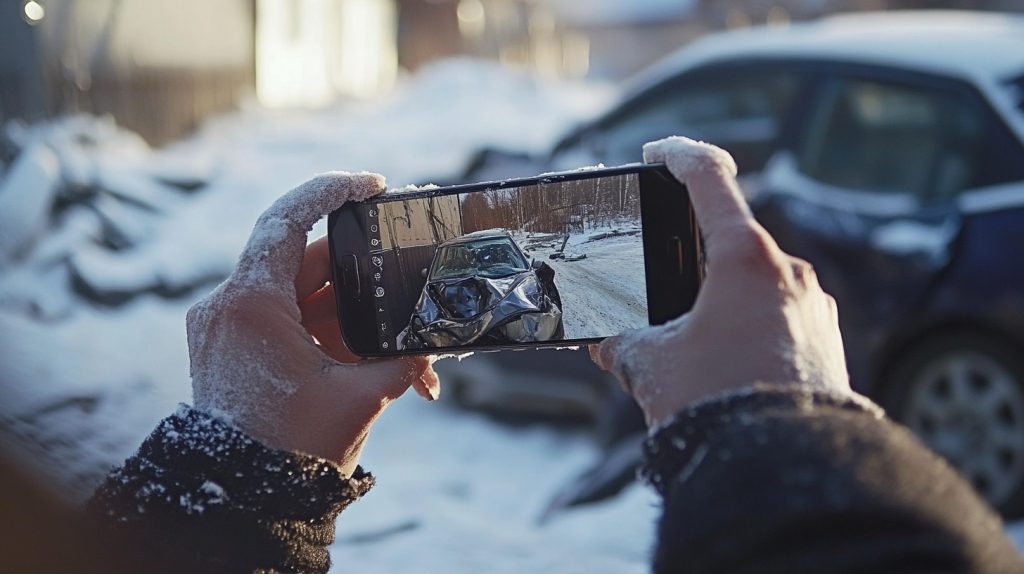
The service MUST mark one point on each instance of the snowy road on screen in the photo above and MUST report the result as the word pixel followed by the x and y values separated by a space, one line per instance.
pixel 605 293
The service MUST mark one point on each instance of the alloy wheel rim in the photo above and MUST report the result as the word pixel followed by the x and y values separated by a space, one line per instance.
pixel 970 408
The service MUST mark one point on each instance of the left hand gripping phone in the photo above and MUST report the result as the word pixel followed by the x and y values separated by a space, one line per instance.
pixel 556 260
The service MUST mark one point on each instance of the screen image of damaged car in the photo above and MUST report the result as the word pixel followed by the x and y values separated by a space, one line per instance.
pixel 483 290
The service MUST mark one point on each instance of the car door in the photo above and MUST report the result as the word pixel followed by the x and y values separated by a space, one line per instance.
pixel 866 191
pixel 740 106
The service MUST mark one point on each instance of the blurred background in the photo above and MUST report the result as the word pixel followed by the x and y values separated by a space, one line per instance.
pixel 883 140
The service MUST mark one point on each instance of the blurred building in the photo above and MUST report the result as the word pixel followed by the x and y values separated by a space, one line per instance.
pixel 524 33
pixel 556 38
pixel 158 67
pixel 308 52
pixel 161 67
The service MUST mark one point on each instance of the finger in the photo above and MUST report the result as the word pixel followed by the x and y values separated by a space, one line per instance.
pixel 320 318
pixel 274 253
pixel 606 352
pixel 803 273
pixel 710 176
pixel 428 385
pixel 389 378
pixel 315 271
pixel 610 358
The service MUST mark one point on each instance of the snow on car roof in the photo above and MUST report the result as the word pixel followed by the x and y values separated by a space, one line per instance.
pixel 976 45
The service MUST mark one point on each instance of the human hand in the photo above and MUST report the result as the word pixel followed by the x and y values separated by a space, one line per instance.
pixel 251 342
pixel 760 316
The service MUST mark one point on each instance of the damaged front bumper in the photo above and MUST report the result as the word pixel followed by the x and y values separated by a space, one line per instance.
pixel 515 310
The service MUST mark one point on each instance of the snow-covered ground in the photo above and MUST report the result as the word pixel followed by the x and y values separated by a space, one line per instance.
pixel 604 293
pixel 458 493
pixel 82 384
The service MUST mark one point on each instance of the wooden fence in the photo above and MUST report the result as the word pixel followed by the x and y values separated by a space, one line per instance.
pixel 162 105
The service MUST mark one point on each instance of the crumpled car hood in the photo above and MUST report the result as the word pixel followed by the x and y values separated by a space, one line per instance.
pixel 459 312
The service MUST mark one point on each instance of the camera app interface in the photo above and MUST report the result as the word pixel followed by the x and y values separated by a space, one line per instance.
pixel 547 262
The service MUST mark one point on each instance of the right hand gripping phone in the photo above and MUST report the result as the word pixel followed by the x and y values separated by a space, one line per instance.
pixel 556 260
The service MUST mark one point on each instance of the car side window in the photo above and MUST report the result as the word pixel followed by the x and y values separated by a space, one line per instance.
pixel 892 138
pixel 741 108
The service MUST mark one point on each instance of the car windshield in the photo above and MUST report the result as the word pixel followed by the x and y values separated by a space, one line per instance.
pixel 490 258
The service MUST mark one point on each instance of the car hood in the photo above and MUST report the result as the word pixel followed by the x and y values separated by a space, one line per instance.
pixel 467 297
pixel 459 311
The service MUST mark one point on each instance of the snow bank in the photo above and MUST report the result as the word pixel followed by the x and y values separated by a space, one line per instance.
pixel 26 194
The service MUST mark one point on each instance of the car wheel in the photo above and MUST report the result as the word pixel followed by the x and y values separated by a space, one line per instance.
pixel 963 395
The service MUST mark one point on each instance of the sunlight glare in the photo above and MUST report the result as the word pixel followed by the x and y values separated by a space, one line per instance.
pixel 34 11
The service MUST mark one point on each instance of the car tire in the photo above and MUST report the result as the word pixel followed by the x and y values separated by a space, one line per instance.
pixel 963 395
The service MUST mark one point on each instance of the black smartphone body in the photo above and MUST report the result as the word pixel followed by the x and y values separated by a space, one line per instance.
pixel 556 260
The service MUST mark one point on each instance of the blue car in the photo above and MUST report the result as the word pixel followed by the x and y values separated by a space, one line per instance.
pixel 900 175
pixel 888 150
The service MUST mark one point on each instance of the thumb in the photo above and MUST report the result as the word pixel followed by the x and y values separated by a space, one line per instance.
pixel 611 355
pixel 387 379
pixel 603 354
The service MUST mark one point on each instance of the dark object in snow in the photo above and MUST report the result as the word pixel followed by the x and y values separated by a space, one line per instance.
pixel 612 233
pixel 481 289
pixel 564 257
pixel 561 387
pixel 615 471
pixel 621 425
pixel 537 241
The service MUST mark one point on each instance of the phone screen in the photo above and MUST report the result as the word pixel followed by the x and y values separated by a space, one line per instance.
pixel 556 260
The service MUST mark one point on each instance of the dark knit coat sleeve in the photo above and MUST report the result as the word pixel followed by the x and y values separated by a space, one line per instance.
pixel 791 481
pixel 201 495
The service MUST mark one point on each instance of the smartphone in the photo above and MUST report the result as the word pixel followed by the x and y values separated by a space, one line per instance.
pixel 556 260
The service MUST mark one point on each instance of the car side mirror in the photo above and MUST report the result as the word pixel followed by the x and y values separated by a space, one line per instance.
pixel 423 273
pixel 535 264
